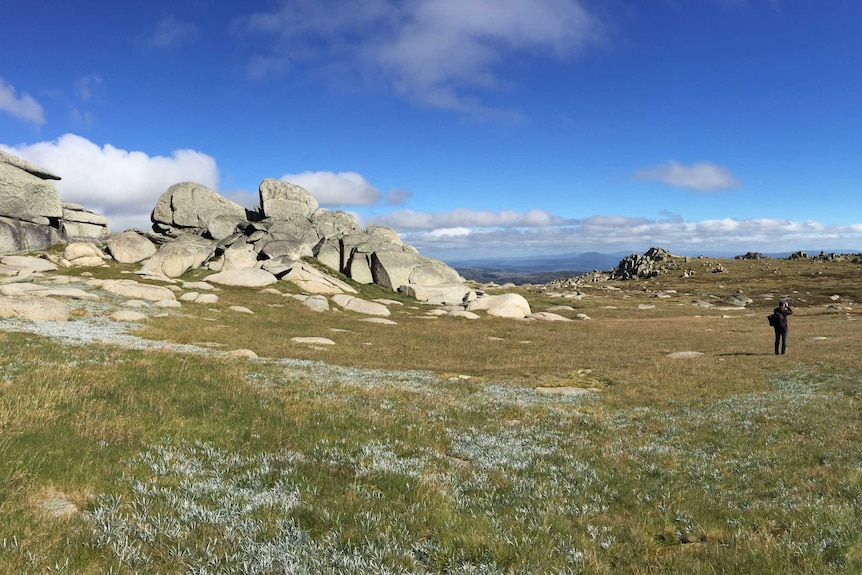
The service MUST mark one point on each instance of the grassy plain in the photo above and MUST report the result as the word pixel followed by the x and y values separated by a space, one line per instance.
pixel 423 447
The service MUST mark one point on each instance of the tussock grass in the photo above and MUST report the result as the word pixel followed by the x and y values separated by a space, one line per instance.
pixel 422 447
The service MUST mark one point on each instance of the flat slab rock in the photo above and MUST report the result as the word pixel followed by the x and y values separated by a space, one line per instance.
pixel 379 320
pixel 565 391
pixel 313 340
pixel 685 354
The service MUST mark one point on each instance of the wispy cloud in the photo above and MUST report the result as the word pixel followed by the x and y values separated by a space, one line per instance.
pixel 397 197
pixel 336 189
pixel 438 53
pixel 699 177
pixel 23 107
pixel 88 87
pixel 171 32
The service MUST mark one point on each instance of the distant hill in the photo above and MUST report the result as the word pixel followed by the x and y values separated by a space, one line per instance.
pixel 546 268
pixel 535 269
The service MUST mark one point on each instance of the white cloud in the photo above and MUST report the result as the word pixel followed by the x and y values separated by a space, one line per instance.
pixel 24 107
pixel 122 185
pixel 450 232
pixel 434 52
pixel 336 189
pixel 700 177
pixel 461 217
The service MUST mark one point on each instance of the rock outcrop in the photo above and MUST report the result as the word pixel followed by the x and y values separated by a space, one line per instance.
pixel 650 264
pixel 195 227
pixel 32 217
pixel 80 223
pixel 130 247
pixel 194 208
pixel 287 231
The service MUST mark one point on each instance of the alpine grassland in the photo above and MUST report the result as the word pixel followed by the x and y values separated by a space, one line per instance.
pixel 446 445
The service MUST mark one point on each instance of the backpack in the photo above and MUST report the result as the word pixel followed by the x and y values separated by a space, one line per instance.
pixel 776 319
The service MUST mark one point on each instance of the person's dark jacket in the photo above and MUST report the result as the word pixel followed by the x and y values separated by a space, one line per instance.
pixel 783 311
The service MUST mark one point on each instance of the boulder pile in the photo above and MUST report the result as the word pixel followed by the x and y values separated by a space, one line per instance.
pixel 194 227
pixel 650 264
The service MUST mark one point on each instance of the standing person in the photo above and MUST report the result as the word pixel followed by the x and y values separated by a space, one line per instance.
pixel 781 312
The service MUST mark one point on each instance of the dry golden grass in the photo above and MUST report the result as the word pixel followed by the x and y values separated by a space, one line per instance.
pixel 623 346
pixel 733 461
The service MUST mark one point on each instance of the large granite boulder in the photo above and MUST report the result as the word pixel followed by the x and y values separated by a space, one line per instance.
pixel 33 308
pixel 177 257
pixel 130 247
pixel 80 223
pixel 333 223
pixel 239 256
pixel 83 254
pixel 25 192
pixel 243 278
pixel 195 206
pixel 29 263
pixel 397 269
pixel 280 199
pixel 296 227
pixel 17 236
pixel 359 305
pixel 508 305
pixel 134 290
pixel 289 248
pixel 441 294
pixel 330 252
pixel 313 281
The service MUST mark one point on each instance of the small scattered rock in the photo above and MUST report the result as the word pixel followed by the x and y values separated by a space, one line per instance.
pixel 127 315
pixel 685 354
pixel 547 316
pixel 313 340
pixel 564 391
pixel 59 506
pixel 243 353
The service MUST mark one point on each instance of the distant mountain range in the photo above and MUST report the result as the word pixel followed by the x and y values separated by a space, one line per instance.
pixel 546 268
pixel 535 269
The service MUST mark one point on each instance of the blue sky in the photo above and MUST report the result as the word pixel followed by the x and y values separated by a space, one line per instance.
pixel 472 127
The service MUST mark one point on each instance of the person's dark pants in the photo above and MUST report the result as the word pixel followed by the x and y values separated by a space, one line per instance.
pixel 780 338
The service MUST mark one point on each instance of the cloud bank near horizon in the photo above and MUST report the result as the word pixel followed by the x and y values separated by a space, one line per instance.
pixel 125 185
